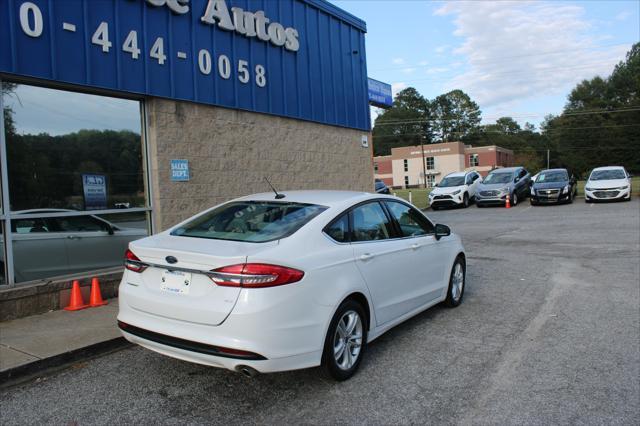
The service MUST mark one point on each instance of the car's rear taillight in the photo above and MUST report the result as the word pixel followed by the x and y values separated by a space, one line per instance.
pixel 255 275
pixel 133 263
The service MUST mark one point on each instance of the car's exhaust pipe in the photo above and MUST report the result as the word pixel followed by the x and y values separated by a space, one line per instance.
pixel 247 371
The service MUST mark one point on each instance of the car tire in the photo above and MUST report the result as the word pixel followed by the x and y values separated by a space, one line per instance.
pixel 465 200
pixel 457 279
pixel 434 208
pixel 533 203
pixel 342 367
pixel 587 199
pixel 514 199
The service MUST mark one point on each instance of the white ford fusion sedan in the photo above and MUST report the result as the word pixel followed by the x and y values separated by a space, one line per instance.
pixel 270 283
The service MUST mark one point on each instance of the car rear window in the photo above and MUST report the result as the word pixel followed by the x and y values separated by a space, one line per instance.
pixel 250 221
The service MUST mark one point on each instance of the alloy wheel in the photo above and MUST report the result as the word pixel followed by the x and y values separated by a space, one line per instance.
pixel 457 282
pixel 347 341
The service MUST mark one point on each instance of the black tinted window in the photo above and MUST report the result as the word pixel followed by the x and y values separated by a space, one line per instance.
pixel 250 221
pixel 412 222
pixel 339 229
pixel 80 224
pixel 370 223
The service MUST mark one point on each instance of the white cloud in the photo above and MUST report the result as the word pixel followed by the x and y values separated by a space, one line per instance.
pixel 436 70
pixel 397 61
pixel 622 16
pixel 442 49
pixel 423 63
pixel 408 70
pixel 524 49
pixel 396 87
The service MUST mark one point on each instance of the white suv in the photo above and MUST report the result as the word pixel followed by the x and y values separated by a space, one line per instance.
pixel 455 189
pixel 608 183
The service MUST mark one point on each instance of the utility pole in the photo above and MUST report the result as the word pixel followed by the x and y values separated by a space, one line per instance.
pixel 547 159
pixel 424 166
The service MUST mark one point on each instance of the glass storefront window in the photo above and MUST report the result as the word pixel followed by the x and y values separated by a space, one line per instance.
pixel 69 150
pixel 68 155
pixel 46 247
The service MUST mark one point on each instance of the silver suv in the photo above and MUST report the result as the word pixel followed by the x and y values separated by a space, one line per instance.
pixel 512 181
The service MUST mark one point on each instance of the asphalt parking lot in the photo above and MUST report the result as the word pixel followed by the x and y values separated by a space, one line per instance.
pixel 549 332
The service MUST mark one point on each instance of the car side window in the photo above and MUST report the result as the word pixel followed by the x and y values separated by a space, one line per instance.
pixel 80 224
pixel 28 226
pixel 469 179
pixel 370 223
pixel 339 229
pixel 476 177
pixel 412 222
pixel 523 173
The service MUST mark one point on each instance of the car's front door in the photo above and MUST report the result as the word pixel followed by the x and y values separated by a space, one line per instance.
pixel 428 257
pixel 89 243
pixel 383 259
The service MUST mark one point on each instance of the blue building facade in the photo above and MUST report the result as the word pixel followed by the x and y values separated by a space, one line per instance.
pixel 303 59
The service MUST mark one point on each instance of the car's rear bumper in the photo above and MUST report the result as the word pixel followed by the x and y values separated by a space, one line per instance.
pixel 284 328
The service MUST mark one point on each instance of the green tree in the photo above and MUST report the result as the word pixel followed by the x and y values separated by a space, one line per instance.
pixel 455 115
pixel 406 123
pixel 508 125
pixel 600 124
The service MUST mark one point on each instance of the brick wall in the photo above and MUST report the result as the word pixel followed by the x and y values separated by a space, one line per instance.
pixel 230 152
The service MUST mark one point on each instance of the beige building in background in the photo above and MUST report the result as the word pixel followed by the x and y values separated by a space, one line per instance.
pixel 404 167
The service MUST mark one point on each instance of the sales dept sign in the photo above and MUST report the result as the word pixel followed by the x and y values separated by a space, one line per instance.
pixel 180 170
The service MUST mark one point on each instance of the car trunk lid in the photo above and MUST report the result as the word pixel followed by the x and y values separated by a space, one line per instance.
pixel 176 282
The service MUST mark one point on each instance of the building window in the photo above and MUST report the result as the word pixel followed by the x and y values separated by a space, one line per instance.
pixel 75 167
pixel 431 181
pixel 406 180
pixel 474 160
pixel 375 167
pixel 431 163
pixel 406 165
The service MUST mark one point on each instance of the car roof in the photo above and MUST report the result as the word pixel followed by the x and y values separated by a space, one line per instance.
pixel 609 168
pixel 456 174
pixel 322 197
pixel 505 169
pixel 31 211
pixel 552 170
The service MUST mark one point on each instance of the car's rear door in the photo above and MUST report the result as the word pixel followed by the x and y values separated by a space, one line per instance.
pixel 39 251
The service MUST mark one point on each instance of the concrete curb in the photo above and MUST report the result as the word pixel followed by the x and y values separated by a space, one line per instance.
pixel 23 373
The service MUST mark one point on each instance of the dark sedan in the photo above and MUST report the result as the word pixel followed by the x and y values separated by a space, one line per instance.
pixel 553 186
pixel 381 188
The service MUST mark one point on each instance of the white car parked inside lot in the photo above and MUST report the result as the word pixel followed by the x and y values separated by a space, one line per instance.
pixel 608 183
pixel 264 283
pixel 455 189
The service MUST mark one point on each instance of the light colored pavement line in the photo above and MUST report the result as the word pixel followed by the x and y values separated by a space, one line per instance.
pixel 19 350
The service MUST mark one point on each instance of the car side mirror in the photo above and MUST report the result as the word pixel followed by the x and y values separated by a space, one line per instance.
pixel 516 180
pixel 442 231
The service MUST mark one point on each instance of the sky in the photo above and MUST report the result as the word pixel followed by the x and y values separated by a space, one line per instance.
pixel 514 58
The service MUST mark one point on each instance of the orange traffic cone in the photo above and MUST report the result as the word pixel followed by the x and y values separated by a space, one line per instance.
pixel 508 204
pixel 75 301
pixel 96 296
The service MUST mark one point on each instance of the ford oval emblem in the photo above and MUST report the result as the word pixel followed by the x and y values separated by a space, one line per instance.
pixel 171 259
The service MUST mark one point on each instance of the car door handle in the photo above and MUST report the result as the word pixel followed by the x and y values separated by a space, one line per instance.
pixel 72 237
pixel 415 246
pixel 366 256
